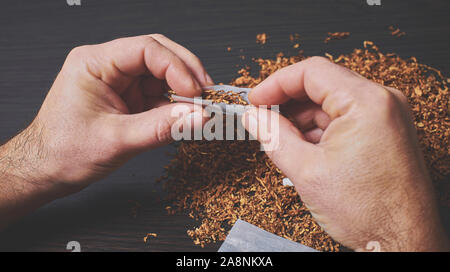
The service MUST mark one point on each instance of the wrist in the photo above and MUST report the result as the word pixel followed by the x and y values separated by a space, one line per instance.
pixel 413 227
pixel 24 183
pixel 433 239
pixel 24 162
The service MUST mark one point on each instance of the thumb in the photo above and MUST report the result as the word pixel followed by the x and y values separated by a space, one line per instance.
pixel 282 141
pixel 157 126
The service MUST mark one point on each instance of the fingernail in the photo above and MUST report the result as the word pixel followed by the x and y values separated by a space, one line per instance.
pixel 197 85
pixel 250 94
pixel 196 88
pixel 208 79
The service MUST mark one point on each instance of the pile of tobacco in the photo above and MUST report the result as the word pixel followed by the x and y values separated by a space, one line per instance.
pixel 217 182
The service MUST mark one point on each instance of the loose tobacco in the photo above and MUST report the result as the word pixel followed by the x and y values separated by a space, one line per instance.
pixel 217 182
pixel 396 31
pixel 261 38
pixel 336 36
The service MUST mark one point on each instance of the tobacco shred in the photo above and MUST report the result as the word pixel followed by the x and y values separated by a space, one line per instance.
pixel 150 235
pixel 395 31
pixel 336 36
pixel 217 182
pixel 221 96
pixel 294 37
pixel 261 38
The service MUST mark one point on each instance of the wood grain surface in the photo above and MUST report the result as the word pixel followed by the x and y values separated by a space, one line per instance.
pixel 35 37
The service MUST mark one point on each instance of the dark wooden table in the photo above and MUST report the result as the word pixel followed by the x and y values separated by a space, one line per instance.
pixel 35 37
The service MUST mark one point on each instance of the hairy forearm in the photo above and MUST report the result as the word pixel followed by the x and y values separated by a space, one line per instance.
pixel 24 186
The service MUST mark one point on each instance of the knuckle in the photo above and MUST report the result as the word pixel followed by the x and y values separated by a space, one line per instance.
pixel 149 40
pixel 384 96
pixel 149 43
pixel 400 96
pixel 318 60
pixel 79 55
pixel 162 132
pixel 403 98
pixel 157 36
pixel 385 100
pixel 79 51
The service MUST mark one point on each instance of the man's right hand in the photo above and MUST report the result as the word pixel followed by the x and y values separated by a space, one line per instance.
pixel 352 154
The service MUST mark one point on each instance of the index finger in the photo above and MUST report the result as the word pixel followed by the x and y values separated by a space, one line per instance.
pixel 119 62
pixel 190 59
pixel 327 84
